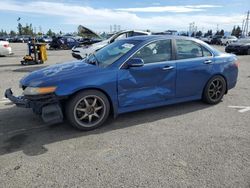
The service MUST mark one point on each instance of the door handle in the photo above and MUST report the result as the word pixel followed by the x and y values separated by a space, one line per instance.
pixel 168 68
pixel 207 61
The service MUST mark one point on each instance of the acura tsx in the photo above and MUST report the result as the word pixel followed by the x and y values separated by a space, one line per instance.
pixel 128 75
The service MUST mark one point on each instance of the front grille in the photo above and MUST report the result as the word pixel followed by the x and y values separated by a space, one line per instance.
pixel 41 98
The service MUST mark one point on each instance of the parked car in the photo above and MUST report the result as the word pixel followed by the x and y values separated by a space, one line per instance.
pixel 20 39
pixel 65 43
pixel 228 39
pixel 206 39
pixel 128 75
pixel 44 38
pixel 216 39
pixel 83 51
pixel 5 48
pixel 4 38
pixel 242 46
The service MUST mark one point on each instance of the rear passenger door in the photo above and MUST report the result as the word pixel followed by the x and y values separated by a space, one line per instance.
pixel 193 62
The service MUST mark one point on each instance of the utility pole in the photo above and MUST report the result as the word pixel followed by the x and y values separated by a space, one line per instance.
pixel 191 28
pixel 245 26
pixel 110 29
pixel 242 28
pixel 247 21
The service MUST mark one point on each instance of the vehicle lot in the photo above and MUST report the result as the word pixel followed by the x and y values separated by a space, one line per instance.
pixel 184 145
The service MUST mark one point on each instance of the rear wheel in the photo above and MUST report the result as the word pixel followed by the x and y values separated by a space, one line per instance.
pixel 214 90
pixel 88 110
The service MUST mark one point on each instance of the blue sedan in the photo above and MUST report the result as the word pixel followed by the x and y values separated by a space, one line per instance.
pixel 128 75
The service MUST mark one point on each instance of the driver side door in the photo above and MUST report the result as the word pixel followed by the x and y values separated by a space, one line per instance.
pixel 154 81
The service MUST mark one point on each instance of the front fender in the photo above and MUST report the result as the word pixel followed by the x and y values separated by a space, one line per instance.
pixel 103 81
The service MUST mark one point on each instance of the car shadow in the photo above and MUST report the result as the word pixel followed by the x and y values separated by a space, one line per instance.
pixel 10 65
pixel 30 69
pixel 32 134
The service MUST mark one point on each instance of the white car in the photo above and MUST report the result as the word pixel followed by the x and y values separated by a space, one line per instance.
pixel 206 39
pixel 82 52
pixel 5 48
pixel 228 39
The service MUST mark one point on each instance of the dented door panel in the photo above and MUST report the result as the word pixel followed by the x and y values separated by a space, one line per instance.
pixel 147 84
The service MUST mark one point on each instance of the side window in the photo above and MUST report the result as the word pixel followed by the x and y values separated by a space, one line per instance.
pixel 138 34
pixel 206 52
pixel 155 52
pixel 122 36
pixel 70 40
pixel 188 49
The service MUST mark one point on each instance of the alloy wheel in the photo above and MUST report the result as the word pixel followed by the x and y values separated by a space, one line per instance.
pixel 215 90
pixel 89 111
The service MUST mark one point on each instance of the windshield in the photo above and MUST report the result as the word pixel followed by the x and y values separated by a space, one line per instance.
pixel 110 53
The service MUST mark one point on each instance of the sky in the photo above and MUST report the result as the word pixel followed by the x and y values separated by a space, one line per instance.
pixel 98 15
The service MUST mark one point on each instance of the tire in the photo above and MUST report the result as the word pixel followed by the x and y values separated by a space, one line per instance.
pixel 248 51
pixel 87 110
pixel 214 90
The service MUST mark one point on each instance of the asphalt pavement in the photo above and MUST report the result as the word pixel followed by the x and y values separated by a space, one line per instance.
pixel 184 145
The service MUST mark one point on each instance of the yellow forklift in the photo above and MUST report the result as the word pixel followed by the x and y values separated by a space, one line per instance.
pixel 37 53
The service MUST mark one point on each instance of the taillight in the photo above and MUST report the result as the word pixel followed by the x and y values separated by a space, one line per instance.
pixel 6 45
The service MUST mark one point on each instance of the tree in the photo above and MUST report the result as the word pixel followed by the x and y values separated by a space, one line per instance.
pixel 199 34
pixel 222 33
pixel 192 35
pixel 12 33
pixel 208 33
pixel 184 34
pixel 27 30
pixel 3 33
pixel 50 33
pixel 217 33
pixel 19 28
pixel 236 31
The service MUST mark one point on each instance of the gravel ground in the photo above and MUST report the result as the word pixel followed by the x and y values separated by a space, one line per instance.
pixel 185 145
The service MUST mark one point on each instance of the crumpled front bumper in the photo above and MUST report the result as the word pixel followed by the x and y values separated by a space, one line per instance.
pixel 48 107
pixel 19 101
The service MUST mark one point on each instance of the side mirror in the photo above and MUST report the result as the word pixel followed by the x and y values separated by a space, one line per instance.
pixel 135 62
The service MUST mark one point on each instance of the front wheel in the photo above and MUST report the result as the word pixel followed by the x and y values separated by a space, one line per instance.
pixel 214 90
pixel 88 110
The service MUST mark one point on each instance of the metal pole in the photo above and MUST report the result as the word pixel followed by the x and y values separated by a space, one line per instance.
pixel 247 20
pixel 242 28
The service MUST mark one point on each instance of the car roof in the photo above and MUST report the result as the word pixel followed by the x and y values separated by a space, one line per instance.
pixel 155 37
pixel 137 31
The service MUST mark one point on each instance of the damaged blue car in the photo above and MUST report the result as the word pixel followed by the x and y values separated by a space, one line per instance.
pixel 128 75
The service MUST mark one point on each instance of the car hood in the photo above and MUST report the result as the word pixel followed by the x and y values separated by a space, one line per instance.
pixel 57 73
pixel 86 32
